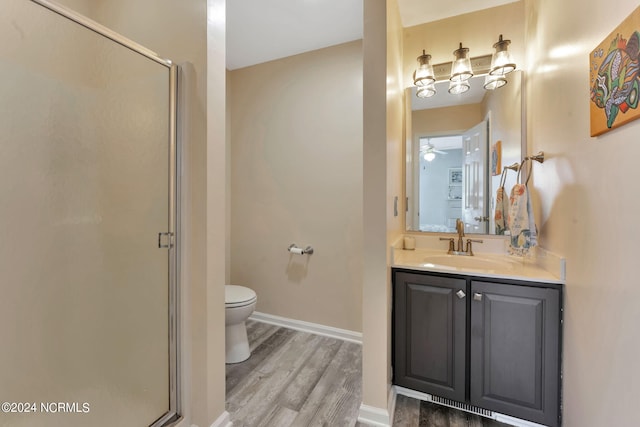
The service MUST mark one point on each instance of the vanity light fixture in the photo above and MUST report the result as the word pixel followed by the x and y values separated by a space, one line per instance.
pixel 461 69
pixel 456 88
pixel 458 72
pixel 494 82
pixel 423 75
pixel 501 62
pixel 426 91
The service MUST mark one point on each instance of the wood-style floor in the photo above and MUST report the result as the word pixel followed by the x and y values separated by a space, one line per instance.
pixel 302 380
pixel 295 379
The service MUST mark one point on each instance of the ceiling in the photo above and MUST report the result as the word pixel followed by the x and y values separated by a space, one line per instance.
pixel 414 12
pixel 448 142
pixel 263 30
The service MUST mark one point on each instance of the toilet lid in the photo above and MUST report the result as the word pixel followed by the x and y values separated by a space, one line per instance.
pixel 238 295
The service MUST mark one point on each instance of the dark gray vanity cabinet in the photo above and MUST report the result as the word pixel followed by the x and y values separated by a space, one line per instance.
pixel 491 343
pixel 430 334
pixel 515 350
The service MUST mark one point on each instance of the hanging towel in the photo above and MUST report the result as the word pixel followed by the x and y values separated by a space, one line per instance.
pixel 502 207
pixel 521 221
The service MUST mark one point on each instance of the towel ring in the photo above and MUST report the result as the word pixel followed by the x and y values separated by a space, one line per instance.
pixel 526 159
pixel 520 170
pixel 503 178
pixel 529 173
pixel 514 167
pixel 538 158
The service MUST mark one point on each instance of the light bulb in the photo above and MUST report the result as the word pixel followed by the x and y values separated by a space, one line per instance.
pixel 461 67
pixel 494 82
pixel 501 62
pixel 426 91
pixel 423 75
pixel 456 88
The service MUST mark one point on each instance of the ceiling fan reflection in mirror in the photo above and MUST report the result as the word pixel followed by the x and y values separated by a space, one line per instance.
pixel 428 150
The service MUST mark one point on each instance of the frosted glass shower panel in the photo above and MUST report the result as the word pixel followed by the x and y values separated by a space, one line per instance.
pixel 84 192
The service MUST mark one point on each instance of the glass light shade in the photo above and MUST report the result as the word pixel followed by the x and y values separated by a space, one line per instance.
pixel 429 156
pixel 494 82
pixel 426 91
pixel 501 62
pixel 461 67
pixel 423 75
pixel 456 88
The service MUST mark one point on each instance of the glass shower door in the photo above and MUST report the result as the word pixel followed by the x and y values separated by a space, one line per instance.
pixel 86 186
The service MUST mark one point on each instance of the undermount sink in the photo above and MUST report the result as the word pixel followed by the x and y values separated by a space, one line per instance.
pixel 460 262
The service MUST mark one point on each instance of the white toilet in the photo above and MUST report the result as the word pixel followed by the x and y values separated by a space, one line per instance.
pixel 239 304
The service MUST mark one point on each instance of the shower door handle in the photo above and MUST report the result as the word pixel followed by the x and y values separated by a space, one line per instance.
pixel 165 240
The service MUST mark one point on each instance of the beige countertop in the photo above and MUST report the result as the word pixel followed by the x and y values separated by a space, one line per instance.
pixel 492 265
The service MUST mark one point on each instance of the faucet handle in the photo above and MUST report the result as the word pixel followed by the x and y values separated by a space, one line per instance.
pixel 451 243
pixel 469 241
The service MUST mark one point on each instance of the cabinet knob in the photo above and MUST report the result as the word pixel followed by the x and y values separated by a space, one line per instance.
pixel 477 296
pixel 461 294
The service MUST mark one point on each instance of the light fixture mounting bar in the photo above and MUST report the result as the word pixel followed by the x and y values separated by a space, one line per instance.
pixel 479 64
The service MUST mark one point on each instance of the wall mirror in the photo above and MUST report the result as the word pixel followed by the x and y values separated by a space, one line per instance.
pixel 456 149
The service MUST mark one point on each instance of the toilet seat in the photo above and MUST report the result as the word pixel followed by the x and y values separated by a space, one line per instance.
pixel 238 296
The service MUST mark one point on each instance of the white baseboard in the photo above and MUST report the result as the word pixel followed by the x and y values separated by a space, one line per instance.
pixel 379 417
pixel 372 416
pixel 224 420
pixel 391 404
pixel 516 422
pixel 313 328
pixel 412 393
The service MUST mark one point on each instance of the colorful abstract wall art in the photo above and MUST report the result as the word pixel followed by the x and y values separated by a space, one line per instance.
pixel 496 158
pixel 615 77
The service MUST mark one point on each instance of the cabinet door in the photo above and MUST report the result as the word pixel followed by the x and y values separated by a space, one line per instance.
pixel 429 330
pixel 515 350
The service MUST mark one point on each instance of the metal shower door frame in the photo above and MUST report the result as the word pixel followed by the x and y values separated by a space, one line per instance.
pixel 173 413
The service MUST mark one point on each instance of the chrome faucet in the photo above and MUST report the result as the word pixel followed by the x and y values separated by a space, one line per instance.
pixel 468 251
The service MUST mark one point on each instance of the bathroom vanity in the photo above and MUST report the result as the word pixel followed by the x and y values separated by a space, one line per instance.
pixel 483 331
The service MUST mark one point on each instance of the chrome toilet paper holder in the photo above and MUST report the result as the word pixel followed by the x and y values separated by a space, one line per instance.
pixel 299 251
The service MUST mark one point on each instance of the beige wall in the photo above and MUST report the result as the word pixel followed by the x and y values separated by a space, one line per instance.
pixel 191 31
pixel 375 362
pixel 586 207
pixel 296 177
pixel 395 141
pixel 395 119
pixel 445 120
pixel 382 156
pixel 478 31
pixel 505 107
pixel 217 221
pixel 506 118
